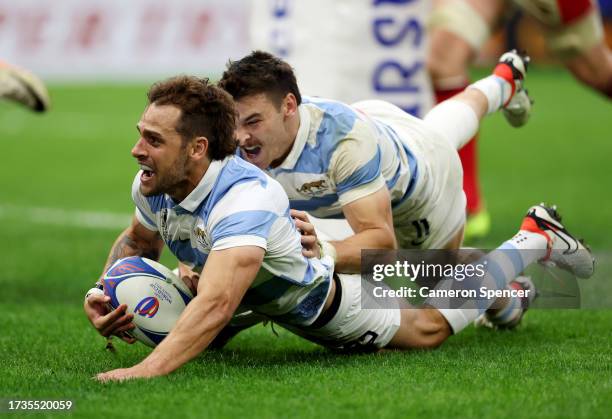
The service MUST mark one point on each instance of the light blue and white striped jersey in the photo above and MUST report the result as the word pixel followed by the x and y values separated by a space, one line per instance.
pixel 236 204
pixel 342 154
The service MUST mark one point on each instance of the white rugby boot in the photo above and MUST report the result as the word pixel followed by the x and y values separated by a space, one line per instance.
pixel 564 250
pixel 512 67
pixel 21 86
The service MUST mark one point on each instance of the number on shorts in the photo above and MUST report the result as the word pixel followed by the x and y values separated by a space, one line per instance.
pixel 365 343
pixel 422 228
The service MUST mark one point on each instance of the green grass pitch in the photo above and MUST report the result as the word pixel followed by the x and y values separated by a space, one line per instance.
pixel 57 168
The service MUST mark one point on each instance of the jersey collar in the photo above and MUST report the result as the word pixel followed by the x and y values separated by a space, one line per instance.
pixel 201 191
pixel 300 140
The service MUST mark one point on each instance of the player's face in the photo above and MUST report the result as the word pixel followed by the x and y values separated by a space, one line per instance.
pixel 263 129
pixel 160 151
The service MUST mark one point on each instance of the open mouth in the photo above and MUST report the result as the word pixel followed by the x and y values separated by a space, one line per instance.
pixel 251 152
pixel 147 173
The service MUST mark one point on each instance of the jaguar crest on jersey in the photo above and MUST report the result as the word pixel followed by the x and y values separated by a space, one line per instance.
pixel 163 230
pixel 202 237
pixel 314 188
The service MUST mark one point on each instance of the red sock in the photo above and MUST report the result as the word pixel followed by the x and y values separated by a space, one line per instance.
pixel 469 159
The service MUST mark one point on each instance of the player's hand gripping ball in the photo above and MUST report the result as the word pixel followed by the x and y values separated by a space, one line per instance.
pixel 152 292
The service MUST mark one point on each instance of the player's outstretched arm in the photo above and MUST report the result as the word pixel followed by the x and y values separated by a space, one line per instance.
pixel 225 279
pixel 371 219
pixel 136 240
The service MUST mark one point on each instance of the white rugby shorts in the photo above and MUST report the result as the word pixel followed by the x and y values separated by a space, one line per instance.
pixel 354 328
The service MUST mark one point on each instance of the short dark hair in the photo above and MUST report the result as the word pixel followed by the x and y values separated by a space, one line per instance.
pixel 206 110
pixel 260 72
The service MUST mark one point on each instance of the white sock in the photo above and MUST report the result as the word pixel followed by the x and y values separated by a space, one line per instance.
pixel 497 90
pixel 530 245
pixel 502 265
pixel 455 120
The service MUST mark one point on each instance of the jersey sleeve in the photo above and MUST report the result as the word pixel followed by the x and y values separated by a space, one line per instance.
pixel 143 212
pixel 355 168
pixel 244 217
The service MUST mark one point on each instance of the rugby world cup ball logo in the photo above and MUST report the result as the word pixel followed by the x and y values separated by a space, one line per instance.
pixel 147 307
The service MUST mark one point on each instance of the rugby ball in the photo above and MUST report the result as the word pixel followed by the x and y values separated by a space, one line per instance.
pixel 152 292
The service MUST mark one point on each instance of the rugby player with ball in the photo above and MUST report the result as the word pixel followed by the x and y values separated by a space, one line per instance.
pixel 227 220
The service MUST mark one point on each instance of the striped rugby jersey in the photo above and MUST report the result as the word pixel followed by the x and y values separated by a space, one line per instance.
pixel 236 204
pixel 341 154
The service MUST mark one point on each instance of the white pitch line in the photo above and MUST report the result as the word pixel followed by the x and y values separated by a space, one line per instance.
pixel 102 220
pixel 62 217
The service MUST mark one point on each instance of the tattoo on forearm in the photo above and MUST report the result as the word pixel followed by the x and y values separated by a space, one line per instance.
pixel 126 246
